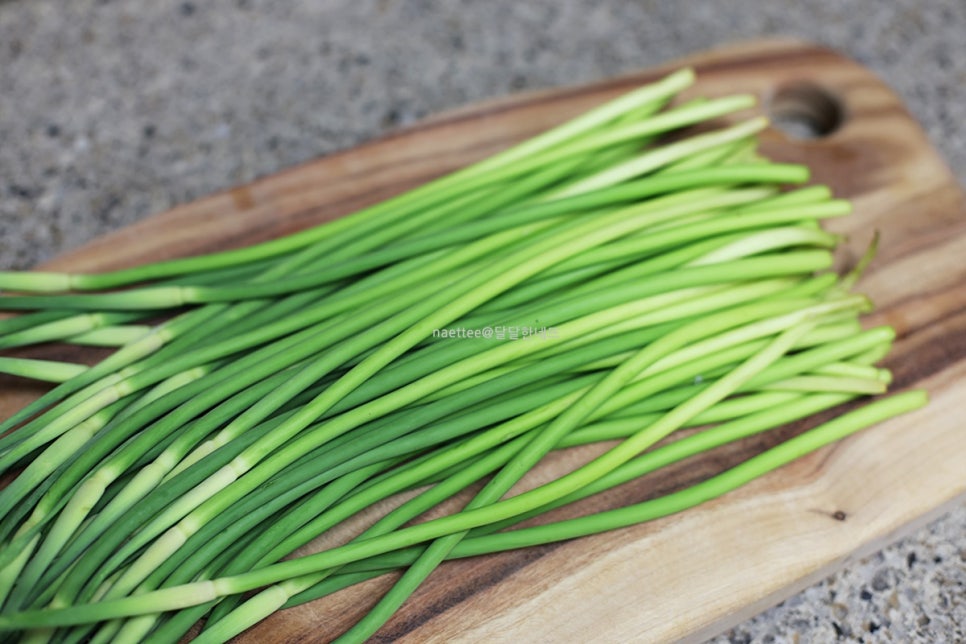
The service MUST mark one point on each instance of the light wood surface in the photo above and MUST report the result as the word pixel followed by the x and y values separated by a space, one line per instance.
pixel 697 573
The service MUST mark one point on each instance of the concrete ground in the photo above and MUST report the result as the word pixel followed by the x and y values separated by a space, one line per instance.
pixel 111 110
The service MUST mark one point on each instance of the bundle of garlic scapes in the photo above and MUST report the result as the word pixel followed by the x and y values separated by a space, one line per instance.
pixel 602 282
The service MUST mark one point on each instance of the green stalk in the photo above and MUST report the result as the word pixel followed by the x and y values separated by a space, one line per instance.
pixel 46 370
pixel 111 336
pixel 28 320
pixel 65 328
pixel 667 154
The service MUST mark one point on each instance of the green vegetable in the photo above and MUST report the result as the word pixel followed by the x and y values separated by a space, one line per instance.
pixel 661 282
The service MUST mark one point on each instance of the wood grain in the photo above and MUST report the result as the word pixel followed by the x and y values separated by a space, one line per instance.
pixel 699 572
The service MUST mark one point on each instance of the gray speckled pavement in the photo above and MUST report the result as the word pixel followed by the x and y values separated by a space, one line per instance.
pixel 113 110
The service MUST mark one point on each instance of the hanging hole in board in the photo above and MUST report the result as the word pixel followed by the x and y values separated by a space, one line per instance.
pixel 805 111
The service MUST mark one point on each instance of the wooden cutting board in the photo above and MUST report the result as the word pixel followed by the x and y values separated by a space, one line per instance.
pixel 697 573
